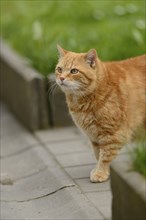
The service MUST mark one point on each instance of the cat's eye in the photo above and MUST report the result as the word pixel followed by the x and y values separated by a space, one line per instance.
pixel 74 71
pixel 59 69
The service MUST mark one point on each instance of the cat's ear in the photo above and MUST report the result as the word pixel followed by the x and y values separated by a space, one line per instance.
pixel 61 51
pixel 91 58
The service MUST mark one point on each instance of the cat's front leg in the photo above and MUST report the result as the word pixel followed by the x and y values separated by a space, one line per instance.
pixel 96 150
pixel 106 154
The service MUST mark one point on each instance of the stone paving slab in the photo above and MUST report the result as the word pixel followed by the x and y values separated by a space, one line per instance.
pixel 10 127
pixel 106 210
pixel 13 127
pixel 68 146
pixel 37 177
pixel 22 165
pixel 87 186
pixel 13 145
pixel 65 204
pixel 59 134
pixel 42 184
pixel 100 198
pixel 78 172
pixel 76 159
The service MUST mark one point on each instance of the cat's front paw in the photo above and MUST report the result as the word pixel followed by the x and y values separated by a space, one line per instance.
pixel 97 175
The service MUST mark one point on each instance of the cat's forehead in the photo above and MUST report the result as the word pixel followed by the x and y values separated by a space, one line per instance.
pixel 70 59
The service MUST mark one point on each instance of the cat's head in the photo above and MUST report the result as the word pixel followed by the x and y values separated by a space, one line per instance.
pixel 76 73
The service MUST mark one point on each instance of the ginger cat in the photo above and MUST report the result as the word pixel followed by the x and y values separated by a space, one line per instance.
pixel 107 101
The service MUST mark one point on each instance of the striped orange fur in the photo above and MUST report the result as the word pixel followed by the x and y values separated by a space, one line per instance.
pixel 107 101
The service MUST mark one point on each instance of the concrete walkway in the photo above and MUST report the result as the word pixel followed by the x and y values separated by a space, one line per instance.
pixel 45 175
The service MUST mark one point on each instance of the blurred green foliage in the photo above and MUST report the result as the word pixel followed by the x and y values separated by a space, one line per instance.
pixel 138 154
pixel 139 158
pixel 115 28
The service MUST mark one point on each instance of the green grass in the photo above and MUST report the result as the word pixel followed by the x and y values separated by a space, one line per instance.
pixel 139 158
pixel 139 153
pixel 115 28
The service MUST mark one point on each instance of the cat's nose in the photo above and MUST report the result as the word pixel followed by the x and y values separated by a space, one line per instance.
pixel 62 78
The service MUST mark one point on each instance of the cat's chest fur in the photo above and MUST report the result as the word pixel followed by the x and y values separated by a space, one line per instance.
pixel 86 124
pixel 84 117
pixel 96 119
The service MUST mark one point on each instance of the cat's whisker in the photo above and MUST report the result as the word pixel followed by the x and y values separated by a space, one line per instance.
pixel 52 89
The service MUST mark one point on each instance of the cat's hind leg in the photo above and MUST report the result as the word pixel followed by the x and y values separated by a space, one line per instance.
pixel 106 154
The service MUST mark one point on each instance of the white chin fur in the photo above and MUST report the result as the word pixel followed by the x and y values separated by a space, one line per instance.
pixel 68 87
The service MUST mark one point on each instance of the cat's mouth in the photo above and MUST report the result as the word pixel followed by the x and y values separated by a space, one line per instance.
pixel 67 86
pixel 62 84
